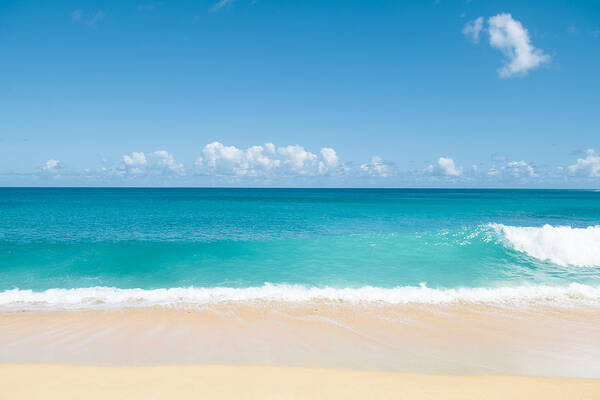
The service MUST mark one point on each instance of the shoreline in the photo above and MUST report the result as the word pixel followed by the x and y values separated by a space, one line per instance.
pixel 55 381
pixel 112 298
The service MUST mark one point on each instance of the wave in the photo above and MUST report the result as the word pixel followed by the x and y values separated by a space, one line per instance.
pixel 110 297
pixel 562 245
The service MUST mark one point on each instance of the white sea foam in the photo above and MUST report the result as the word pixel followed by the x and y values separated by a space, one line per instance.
pixel 562 245
pixel 107 297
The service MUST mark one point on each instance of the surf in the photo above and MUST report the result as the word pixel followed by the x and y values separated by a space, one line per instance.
pixel 111 297
pixel 561 245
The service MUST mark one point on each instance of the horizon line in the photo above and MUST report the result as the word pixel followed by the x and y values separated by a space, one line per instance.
pixel 299 187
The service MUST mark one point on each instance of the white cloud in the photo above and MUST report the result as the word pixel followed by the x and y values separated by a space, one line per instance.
pixel 135 163
pixel 164 160
pixel 445 166
pixel 220 4
pixel 330 157
pixel 513 170
pixel 265 160
pixel 270 148
pixel 378 167
pixel 330 160
pixel 473 28
pixel 298 159
pixel 216 153
pixel 136 159
pixel 227 160
pixel 51 166
pixel 448 167
pixel 157 162
pixel 296 165
pixel 588 166
pixel 512 39
pixel 520 168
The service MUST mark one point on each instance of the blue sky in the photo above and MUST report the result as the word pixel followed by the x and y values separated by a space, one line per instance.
pixel 300 93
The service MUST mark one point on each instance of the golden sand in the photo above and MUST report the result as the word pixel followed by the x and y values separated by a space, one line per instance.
pixel 50 381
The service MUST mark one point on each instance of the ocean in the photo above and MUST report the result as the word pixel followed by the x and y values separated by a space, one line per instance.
pixel 73 248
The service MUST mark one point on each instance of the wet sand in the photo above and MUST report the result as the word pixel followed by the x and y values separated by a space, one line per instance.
pixel 457 339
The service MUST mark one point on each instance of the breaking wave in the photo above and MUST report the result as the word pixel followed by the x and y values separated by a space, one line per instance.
pixel 562 245
pixel 107 297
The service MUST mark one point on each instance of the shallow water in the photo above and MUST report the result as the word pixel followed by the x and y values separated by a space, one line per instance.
pixel 90 248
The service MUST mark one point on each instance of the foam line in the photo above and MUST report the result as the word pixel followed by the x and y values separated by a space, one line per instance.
pixel 107 297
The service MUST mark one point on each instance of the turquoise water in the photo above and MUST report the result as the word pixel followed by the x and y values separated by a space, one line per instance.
pixel 313 238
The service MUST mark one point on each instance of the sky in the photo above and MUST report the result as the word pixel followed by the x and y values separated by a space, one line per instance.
pixel 300 93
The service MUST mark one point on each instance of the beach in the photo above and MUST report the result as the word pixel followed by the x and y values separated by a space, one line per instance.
pixel 48 381
pixel 540 340
pixel 317 350
pixel 299 294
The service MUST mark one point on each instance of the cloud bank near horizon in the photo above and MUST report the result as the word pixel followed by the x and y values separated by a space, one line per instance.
pixel 293 165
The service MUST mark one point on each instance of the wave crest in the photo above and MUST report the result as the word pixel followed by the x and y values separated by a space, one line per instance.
pixel 107 297
pixel 562 245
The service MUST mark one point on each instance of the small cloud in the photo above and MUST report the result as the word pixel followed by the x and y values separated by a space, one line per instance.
pixel 221 4
pixel 51 166
pixel 136 159
pixel 297 158
pixel 473 28
pixel 520 168
pixel 512 39
pixel 330 160
pixel 378 167
pixel 155 163
pixel 445 166
pixel 595 34
pixel 588 166
pixel 572 30
pixel 135 163
pixel 513 170
pixel 165 161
